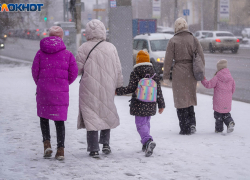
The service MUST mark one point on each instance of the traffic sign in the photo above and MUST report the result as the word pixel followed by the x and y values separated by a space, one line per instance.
pixel 186 12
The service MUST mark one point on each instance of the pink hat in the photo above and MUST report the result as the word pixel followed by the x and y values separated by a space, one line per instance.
pixel 56 31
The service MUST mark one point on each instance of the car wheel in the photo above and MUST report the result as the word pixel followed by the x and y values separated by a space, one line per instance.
pixel 211 50
pixel 234 51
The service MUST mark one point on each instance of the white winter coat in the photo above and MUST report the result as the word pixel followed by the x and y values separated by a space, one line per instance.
pixel 102 75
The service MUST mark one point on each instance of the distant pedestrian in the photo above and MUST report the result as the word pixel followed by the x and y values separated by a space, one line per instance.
pixel 143 110
pixel 224 87
pixel 53 70
pixel 100 67
pixel 180 49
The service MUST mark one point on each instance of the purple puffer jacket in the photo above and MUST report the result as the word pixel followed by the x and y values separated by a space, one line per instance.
pixel 53 70
pixel 224 87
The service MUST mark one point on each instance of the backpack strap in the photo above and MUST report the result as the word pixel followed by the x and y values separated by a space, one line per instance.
pixel 88 57
pixel 148 75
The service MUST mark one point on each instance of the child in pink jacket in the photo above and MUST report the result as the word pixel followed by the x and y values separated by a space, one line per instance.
pixel 224 87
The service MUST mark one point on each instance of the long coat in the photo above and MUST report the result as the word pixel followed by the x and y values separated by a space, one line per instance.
pixel 224 87
pixel 54 69
pixel 137 107
pixel 180 49
pixel 102 75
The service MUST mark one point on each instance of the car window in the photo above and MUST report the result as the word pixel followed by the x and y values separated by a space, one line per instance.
pixel 197 34
pixel 135 44
pixel 140 45
pixel 159 45
pixel 209 35
pixel 204 33
pixel 223 34
pixel 145 45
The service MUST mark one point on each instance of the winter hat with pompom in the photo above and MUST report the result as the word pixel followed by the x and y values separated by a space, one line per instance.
pixel 142 57
pixel 56 31
pixel 180 25
pixel 221 64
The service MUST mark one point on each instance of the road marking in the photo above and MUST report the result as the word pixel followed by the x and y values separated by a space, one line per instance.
pixel 15 60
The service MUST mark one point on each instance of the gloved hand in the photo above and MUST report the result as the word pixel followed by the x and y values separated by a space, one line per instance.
pixel 168 82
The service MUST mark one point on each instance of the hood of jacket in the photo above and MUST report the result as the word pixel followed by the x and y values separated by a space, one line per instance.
pixel 224 75
pixel 95 29
pixel 52 44
pixel 142 69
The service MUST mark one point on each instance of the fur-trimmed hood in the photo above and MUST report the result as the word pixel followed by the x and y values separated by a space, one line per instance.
pixel 142 64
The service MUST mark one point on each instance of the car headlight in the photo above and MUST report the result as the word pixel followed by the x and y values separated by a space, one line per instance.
pixel 2 45
pixel 5 36
pixel 160 60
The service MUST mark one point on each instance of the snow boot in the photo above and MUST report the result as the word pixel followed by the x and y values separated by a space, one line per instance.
pixel 150 145
pixel 47 149
pixel 106 149
pixel 230 127
pixel 60 153
pixel 144 148
pixel 94 154
pixel 193 129
pixel 218 131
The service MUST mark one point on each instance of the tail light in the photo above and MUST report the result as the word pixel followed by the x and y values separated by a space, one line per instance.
pixel 84 34
pixel 38 34
pixel 44 34
pixel 237 40
pixel 217 40
pixel 28 33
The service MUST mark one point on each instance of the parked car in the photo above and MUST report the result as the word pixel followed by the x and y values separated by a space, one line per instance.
pixel 1 44
pixel 245 32
pixel 156 45
pixel 201 34
pixel 44 33
pixel 220 40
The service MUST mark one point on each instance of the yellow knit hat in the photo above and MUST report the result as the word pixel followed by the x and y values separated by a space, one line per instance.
pixel 142 57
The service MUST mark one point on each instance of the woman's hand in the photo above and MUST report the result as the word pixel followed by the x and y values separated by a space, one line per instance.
pixel 168 82
pixel 161 110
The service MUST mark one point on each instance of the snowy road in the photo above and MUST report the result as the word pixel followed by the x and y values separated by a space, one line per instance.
pixel 202 156
pixel 17 50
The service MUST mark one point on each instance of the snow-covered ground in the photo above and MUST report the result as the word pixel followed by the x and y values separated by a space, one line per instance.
pixel 202 156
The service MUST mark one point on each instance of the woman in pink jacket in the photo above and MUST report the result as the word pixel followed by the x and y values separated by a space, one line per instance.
pixel 53 70
pixel 224 87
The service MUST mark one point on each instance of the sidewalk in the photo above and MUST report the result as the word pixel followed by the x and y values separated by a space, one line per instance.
pixel 202 156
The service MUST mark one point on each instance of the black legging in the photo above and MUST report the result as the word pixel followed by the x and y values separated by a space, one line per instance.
pixel 60 131
pixel 186 119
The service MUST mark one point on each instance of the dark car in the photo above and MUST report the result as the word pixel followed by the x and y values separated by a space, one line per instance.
pixel 1 44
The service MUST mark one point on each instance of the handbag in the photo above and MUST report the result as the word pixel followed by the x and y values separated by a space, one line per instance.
pixel 88 57
pixel 198 65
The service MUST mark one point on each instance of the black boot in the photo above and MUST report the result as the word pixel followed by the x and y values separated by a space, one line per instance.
pixel 106 149
pixel 94 154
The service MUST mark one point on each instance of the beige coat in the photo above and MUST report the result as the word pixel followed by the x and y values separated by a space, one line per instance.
pixel 102 75
pixel 180 49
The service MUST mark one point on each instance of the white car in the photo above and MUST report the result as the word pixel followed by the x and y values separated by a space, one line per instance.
pixel 220 40
pixel 246 33
pixel 201 34
pixel 156 45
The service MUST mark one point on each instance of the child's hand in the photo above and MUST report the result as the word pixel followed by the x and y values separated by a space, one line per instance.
pixel 204 78
pixel 161 110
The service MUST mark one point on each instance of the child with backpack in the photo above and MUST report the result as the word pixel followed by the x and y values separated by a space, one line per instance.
pixel 224 87
pixel 144 84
